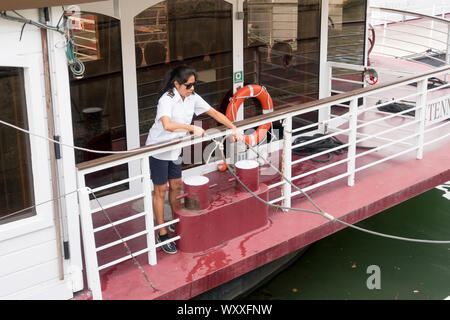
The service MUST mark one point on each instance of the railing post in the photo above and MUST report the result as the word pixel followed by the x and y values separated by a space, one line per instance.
pixel 325 91
pixel 447 51
pixel 286 161
pixel 148 209
pixel 421 102
pixel 353 123
pixel 87 229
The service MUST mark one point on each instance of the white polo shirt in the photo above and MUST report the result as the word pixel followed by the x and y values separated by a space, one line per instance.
pixel 173 106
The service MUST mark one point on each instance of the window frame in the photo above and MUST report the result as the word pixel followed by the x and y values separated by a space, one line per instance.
pixel 35 108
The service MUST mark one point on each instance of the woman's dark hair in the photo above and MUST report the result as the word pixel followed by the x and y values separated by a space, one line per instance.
pixel 181 74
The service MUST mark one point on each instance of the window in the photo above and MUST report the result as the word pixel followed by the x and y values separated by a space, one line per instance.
pixel 194 32
pixel 98 112
pixel 346 37
pixel 16 179
pixel 281 51
pixel 346 31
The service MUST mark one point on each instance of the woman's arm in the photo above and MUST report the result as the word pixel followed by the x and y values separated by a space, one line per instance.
pixel 173 126
pixel 220 117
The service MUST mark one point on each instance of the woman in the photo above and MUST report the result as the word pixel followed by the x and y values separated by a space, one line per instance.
pixel 176 107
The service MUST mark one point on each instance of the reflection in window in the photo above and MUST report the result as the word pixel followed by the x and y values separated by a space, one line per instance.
pixel 346 31
pixel 98 113
pixel 281 50
pixel 346 36
pixel 85 36
pixel 16 180
pixel 194 32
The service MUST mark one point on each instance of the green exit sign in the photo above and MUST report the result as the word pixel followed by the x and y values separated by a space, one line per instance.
pixel 238 77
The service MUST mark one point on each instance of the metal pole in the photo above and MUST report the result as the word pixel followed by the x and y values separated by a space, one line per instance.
pixel 421 104
pixel 324 75
pixel 148 209
pixel 447 51
pixel 87 229
pixel 287 160
pixel 353 122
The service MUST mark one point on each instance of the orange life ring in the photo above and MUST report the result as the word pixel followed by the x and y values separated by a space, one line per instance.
pixel 251 91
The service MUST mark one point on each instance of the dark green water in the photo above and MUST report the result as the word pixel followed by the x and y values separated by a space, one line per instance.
pixel 336 267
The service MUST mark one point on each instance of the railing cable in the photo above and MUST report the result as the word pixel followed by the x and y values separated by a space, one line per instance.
pixel 320 212
pixel 125 244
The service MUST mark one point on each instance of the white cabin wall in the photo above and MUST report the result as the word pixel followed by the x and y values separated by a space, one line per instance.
pixel 28 255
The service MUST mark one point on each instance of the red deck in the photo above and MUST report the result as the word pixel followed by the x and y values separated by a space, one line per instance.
pixel 185 275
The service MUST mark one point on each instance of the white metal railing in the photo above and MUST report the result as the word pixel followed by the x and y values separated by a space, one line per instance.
pixel 386 145
pixel 357 124
pixel 419 35
pixel 88 230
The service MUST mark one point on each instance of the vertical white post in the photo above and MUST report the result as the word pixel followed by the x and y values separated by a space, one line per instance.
pixel 67 175
pixel 238 63
pixel 421 102
pixel 130 90
pixel 238 48
pixel 330 81
pixel 447 52
pixel 87 230
pixel 353 122
pixel 324 73
pixel 366 41
pixel 286 161
pixel 148 209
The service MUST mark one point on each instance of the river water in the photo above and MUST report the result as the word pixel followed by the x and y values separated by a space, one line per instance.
pixel 354 265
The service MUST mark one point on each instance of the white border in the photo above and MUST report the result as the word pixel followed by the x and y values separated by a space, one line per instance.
pixel 39 148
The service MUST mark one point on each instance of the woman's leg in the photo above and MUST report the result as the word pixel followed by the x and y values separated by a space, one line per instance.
pixel 174 192
pixel 158 205
pixel 174 177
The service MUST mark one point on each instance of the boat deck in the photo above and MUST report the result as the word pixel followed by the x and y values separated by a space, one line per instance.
pixel 185 275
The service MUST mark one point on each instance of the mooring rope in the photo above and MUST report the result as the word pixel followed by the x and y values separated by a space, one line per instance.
pixel 320 212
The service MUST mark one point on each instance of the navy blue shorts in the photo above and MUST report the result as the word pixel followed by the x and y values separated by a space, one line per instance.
pixel 163 170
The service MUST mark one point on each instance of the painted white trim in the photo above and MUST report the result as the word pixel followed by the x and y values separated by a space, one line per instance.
pixel 62 110
pixel 130 90
pixel 238 49
pixel 324 81
pixel 366 39
pixel 108 8
pixel 323 55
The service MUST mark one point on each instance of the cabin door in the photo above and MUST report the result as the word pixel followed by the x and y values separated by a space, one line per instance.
pixel 29 264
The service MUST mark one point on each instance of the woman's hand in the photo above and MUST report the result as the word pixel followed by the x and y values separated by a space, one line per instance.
pixel 238 134
pixel 198 131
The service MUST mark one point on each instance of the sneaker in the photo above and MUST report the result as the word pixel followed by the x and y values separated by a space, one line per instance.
pixel 169 248
pixel 171 228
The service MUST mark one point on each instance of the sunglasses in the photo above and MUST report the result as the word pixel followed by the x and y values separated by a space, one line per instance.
pixel 190 85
